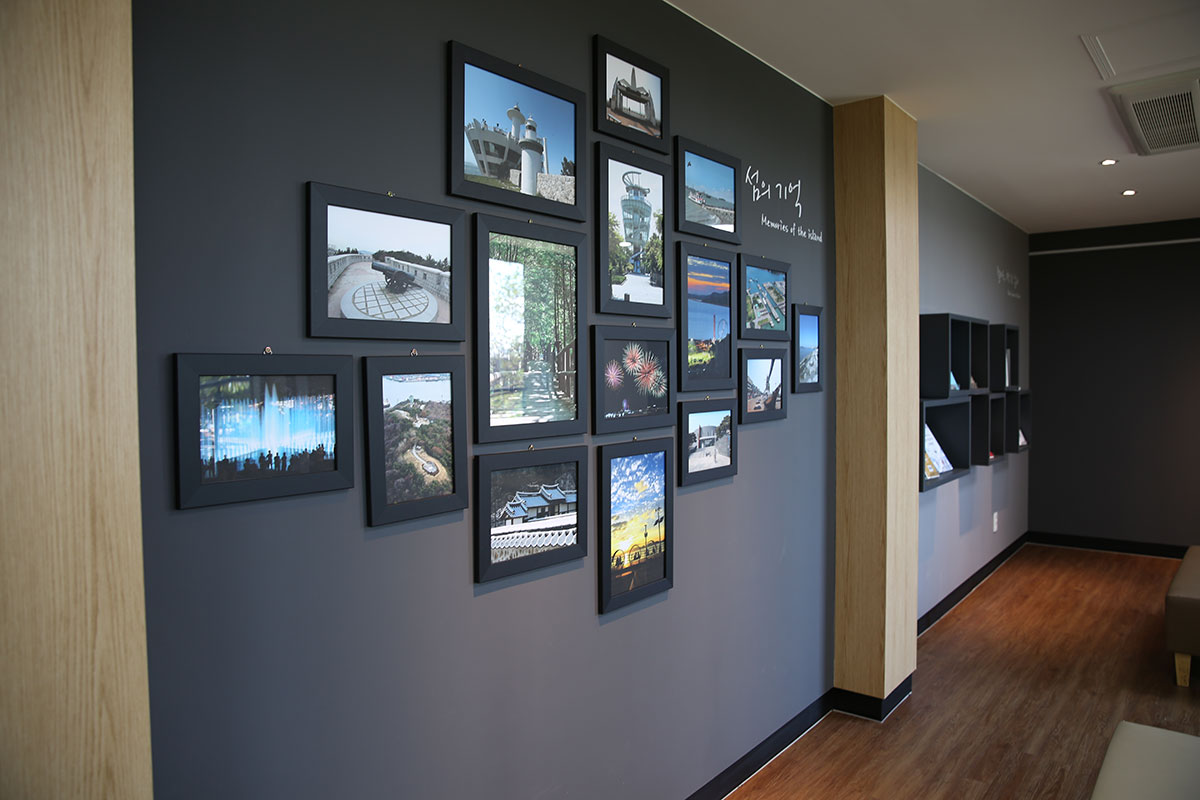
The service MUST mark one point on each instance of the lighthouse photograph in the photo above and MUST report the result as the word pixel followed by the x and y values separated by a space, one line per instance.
pixel 516 137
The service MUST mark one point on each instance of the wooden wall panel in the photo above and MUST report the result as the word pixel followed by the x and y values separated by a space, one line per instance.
pixel 74 709
pixel 877 321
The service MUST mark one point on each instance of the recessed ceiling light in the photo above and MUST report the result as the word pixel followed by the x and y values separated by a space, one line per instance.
pixel 1108 162
pixel 1129 192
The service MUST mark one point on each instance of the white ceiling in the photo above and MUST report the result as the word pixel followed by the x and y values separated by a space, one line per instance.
pixel 1009 104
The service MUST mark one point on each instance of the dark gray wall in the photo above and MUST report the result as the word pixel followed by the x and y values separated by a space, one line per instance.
pixel 973 262
pixel 295 652
pixel 1117 379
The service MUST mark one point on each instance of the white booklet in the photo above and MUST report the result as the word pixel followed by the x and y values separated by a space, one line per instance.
pixel 1021 438
pixel 934 450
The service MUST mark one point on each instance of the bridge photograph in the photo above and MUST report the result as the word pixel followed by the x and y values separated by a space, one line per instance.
pixel 766 299
pixel 387 267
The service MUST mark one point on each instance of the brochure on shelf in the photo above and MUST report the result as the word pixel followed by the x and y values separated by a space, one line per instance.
pixel 931 471
pixel 954 387
pixel 934 450
pixel 1021 440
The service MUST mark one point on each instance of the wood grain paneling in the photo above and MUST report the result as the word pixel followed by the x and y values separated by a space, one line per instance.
pixel 74 711
pixel 1018 691
pixel 875 172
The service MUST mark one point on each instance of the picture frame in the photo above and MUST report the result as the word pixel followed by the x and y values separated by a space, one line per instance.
pixel 707 440
pixel 636 484
pixel 763 373
pixel 483 156
pixel 416 436
pixel 806 338
pixel 706 192
pixel 400 271
pixel 229 451
pixel 763 298
pixel 706 318
pixel 537 334
pixel 634 109
pixel 633 378
pixel 632 235
pixel 531 510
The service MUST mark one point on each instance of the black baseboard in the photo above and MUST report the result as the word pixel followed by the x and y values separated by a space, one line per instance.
pixel 955 597
pixel 1112 545
pixel 733 776
pixel 863 705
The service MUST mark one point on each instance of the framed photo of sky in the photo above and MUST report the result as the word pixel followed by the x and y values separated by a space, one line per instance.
pixel 382 267
pixel 632 203
pixel 806 350
pixel 705 318
pixel 632 96
pixel 529 330
pixel 633 380
pixel 763 374
pixel 706 183
pixel 635 521
pixel 531 510
pixel 256 426
pixel 416 436
pixel 763 299
pixel 516 136
pixel 707 440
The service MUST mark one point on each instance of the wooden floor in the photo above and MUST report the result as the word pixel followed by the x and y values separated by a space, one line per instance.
pixel 1017 691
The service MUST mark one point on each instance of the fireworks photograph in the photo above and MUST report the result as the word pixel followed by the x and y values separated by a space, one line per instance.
pixel 634 387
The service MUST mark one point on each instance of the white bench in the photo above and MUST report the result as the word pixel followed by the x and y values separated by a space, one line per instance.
pixel 1149 764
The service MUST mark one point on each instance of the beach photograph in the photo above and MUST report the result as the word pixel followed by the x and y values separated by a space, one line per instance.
pixel 387 267
pixel 418 436
pixel 516 137
pixel 710 196
pixel 635 233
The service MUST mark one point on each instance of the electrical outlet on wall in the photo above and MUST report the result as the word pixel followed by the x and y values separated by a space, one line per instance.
pixel 995 521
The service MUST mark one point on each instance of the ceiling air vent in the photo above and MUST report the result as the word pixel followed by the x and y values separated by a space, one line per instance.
pixel 1161 114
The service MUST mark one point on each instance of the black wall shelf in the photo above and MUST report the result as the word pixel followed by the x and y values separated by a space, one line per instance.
pixel 981 429
pixel 996 427
pixel 1026 418
pixel 1004 351
pixel 945 350
pixel 950 421
pixel 980 354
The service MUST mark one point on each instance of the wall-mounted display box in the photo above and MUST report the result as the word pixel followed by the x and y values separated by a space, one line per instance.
pixel 996 427
pixel 1006 375
pixel 980 354
pixel 1026 419
pixel 945 355
pixel 949 420
pixel 981 429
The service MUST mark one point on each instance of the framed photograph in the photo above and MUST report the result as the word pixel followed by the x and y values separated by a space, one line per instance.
pixel 635 520
pixel 806 339
pixel 631 206
pixel 521 140
pixel 705 318
pixel 529 330
pixel 706 183
pixel 633 379
pixel 763 298
pixel 763 379
pixel 631 96
pixel 256 426
pixel 416 436
pixel 707 440
pixel 381 267
pixel 530 510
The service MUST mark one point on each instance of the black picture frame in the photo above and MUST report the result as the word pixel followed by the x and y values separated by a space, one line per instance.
pixel 747 371
pixel 684 147
pixel 486 468
pixel 688 476
pixel 767 304
pixel 605 302
pixel 461 182
pixel 356 321
pixel 800 351
pixel 633 131
pixel 194 489
pixel 637 371
pixel 721 375
pixel 381 510
pixel 572 352
pixel 618 564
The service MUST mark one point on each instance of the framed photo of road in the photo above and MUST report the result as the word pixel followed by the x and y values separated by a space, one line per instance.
pixel 707 440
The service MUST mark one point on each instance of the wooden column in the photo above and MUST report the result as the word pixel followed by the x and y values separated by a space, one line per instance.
pixel 74 704
pixel 875 162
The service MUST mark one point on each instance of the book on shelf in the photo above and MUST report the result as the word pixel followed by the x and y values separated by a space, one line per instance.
pixel 953 383
pixel 1021 440
pixel 934 450
pixel 974 385
pixel 931 471
pixel 1007 367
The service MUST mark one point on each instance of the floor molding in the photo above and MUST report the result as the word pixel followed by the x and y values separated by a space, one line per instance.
pixel 1109 545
